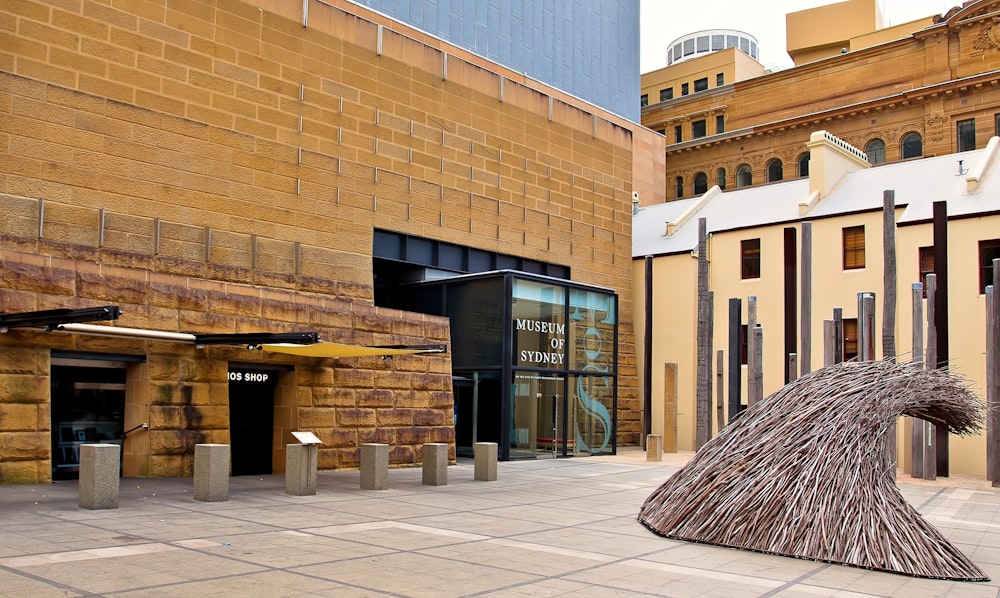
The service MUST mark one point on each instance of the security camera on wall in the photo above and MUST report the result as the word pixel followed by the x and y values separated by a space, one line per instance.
pixel 635 196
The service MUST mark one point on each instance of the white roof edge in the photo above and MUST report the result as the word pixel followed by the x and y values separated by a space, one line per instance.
pixel 696 207
pixel 978 171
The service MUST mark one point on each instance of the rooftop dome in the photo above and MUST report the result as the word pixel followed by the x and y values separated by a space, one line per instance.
pixel 711 40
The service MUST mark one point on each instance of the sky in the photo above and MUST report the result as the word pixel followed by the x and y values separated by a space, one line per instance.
pixel 662 21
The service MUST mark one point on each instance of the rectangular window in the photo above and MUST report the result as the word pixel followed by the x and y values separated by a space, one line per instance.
pixel 926 265
pixel 662 132
pixel 698 129
pixel 850 338
pixel 966 134
pixel 720 79
pixel 854 247
pixel 749 258
pixel 988 251
pixel 701 84
pixel 720 124
pixel 666 94
pixel 996 125
pixel 684 89
pixel 678 134
pixel 644 100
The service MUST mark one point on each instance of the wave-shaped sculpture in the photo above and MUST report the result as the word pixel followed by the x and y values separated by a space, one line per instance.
pixel 806 473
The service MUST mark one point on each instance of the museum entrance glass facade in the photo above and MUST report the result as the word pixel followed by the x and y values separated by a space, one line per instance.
pixel 534 362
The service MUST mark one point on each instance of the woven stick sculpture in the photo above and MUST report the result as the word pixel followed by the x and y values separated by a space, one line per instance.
pixel 805 473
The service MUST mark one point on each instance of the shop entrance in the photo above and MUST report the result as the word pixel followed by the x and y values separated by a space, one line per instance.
pixel 251 419
pixel 88 406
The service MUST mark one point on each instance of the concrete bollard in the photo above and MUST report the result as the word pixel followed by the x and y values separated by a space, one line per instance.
pixel 486 461
pixel 435 464
pixel 99 475
pixel 654 447
pixel 211 472
pixel 374 466
pixel 300 469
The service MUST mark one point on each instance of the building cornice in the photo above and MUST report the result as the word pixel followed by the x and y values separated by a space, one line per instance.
pixel 820 118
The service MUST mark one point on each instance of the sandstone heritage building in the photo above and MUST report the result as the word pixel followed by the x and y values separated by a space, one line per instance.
pixel 919 89
pixel 176 173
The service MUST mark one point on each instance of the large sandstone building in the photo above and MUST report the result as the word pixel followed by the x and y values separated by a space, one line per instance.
pixel 924 88
pixel 212 168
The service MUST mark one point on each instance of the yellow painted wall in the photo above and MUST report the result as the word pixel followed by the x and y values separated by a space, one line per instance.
pixel 675 323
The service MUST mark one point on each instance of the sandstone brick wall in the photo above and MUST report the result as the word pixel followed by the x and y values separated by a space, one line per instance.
pixel 214 166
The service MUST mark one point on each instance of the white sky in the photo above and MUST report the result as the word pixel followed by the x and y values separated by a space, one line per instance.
pixel 662 21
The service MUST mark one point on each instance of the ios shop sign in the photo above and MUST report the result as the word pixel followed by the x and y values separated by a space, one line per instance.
pixel 249 376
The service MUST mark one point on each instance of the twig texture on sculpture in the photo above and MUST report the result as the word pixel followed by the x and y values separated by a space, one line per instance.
pixel 805 473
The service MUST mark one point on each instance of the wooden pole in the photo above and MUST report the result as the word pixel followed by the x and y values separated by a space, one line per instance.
pixel 838 334
pixel 703 398
pixel 735 360
pixel 793 367
pixel 941 319
pixel 751 349
pixel 647 355
pixel 930 435
pixel 889 298
pixel 805 327
pixel 889 275
pixel 829 338
pixel 755 390
pixel 670 387
pixel 919 426
pixel 992 422
pixel 720 390
pixel 790 303
pixel 866 326
pixel 993 374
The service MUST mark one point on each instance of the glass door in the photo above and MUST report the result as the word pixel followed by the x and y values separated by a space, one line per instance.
pixel 538 416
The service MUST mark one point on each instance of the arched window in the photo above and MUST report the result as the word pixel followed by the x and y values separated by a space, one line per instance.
pixel 912 146
pixel 876 151
pixel 744 177
pixel 679 186
pixel 720 178
pixel 700 183
pixel 802 164
pixel 774 170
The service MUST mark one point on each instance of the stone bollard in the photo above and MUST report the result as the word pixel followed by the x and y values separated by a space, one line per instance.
pixel 486 461
pixel 300 469
pixel 99 475
pixel 435 464
pixel 654 447
pixel 374 466
pixel 211 472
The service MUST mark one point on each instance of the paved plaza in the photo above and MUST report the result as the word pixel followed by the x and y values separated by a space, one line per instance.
pixel 546 528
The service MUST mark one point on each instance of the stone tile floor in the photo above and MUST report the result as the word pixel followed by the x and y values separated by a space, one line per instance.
pixel 545 528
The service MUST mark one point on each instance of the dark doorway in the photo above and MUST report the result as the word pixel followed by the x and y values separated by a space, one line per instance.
pixel 251 419
pixel 477 410
pixel 88 406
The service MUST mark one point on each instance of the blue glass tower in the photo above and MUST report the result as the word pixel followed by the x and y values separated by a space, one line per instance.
pixel 588 48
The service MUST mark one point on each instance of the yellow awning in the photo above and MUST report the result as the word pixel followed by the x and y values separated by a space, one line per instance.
pixel 325 349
